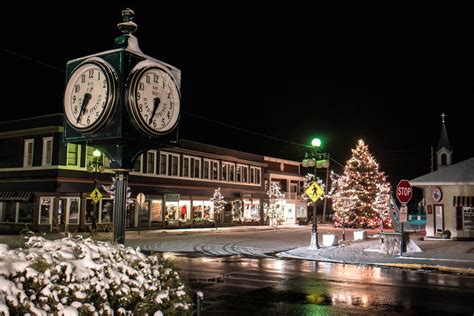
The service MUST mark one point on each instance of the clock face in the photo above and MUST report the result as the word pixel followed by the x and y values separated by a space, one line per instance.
pixel 154 100
pixel 90 94
pixel 437 194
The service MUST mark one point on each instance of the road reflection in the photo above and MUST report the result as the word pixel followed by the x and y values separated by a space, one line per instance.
pixel 237 285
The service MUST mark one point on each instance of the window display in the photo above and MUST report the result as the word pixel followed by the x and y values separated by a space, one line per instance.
pixel 468 218
pixel 171 213
pixel 46 207
pixel 156 210
pixel 107 211
pixel 74 211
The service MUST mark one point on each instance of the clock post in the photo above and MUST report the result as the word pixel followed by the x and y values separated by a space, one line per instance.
pixel 123 102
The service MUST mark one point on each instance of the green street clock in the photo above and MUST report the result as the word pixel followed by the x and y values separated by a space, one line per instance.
pixel 122 100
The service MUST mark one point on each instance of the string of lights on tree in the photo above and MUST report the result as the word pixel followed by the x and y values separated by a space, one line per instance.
pixel 110 189
pixel 361 195
pixel 274 209
pixel 218 202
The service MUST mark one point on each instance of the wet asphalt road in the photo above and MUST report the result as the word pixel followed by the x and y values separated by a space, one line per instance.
pixel 266 286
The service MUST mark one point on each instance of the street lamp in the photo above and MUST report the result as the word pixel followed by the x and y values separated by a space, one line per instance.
pixel 94 166
pixel 317 160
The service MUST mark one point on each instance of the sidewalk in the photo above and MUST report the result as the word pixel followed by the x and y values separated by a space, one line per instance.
pixel 440 255
pixel 437 255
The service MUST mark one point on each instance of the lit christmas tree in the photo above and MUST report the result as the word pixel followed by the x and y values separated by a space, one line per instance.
pixel 218 202
pixel 275 208
pixel 361 195
pixel 110 189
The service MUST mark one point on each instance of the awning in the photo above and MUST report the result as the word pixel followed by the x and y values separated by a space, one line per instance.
pixel 463 201
pixel 15 196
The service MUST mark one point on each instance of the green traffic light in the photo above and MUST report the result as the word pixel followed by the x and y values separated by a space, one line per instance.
pixel 316 142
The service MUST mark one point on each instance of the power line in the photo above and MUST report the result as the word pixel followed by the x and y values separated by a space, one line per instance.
pixel 32 60
pixel 188 113
pixel 257 134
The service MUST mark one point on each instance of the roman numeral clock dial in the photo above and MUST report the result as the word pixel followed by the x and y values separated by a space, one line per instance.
pixel 154 100
pixel 89 98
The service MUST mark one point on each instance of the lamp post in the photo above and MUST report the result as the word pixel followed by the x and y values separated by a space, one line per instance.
pixel 313 162
pixel 95 166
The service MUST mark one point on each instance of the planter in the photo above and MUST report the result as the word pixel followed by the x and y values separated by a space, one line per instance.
pixel 360 235
pixel 329 240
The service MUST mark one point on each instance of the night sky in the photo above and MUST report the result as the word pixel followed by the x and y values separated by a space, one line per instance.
pixel 280 76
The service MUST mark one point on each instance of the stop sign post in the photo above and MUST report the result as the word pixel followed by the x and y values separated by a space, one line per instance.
pixel 404 191
pixel 403 195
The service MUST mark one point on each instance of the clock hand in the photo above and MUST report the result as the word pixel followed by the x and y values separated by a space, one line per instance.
pixel 85 101
pixel 156 102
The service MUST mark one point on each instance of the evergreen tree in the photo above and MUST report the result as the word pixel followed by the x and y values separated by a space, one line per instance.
pixel 361 197
pixel 218 202
pixel 275 208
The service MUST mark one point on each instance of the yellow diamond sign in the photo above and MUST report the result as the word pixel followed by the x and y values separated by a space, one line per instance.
pixel 314 191
pixel 96 195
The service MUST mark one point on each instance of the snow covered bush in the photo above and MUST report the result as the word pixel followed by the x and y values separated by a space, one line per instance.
pixel 76 276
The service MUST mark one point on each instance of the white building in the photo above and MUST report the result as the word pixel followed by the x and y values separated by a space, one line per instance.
pixel 448 193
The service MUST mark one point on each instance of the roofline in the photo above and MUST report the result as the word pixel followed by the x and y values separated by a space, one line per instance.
pixel 290 162
pixel 425 184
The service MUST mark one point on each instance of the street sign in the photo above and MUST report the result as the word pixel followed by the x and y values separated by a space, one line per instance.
pixel 172 197
pixel 403 214
pixel 314 191
pixel 96 195
pixel 404 191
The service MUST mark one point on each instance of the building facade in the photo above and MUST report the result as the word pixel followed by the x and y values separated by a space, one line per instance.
pixel 448 193
pixel 46 184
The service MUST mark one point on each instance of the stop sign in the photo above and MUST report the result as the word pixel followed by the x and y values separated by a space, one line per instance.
pixel 404 191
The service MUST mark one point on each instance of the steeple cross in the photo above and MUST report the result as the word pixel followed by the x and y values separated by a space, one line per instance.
pixel 442 117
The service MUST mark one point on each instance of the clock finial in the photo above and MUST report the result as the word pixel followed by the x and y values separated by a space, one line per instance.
pixel 442 117
pixel 127 26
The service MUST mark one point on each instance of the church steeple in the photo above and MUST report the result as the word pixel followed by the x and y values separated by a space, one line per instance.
pixel 444 152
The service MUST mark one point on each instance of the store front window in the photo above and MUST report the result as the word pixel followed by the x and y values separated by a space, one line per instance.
pixel 107 214
pixel 468 218
pixel 202 210
pixel 251 209
pixel 46 208
pixel 300 211
pixel 91 211
pixel 25 212
pixel 184 210
pixel 171 212
pixel 8 211
pixel 156 210
pixel 73 211
pixel 290 212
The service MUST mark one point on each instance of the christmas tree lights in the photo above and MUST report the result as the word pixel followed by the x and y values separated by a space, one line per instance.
pixel 361 195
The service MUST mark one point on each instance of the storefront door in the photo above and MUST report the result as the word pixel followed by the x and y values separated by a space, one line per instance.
pixel 59 216
pixel 438 218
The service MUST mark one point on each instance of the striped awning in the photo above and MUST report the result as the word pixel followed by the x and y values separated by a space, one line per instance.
pixel 463 201
pixel 15 196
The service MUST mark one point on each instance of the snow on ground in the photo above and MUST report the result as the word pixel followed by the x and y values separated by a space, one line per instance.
pixel 73 276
